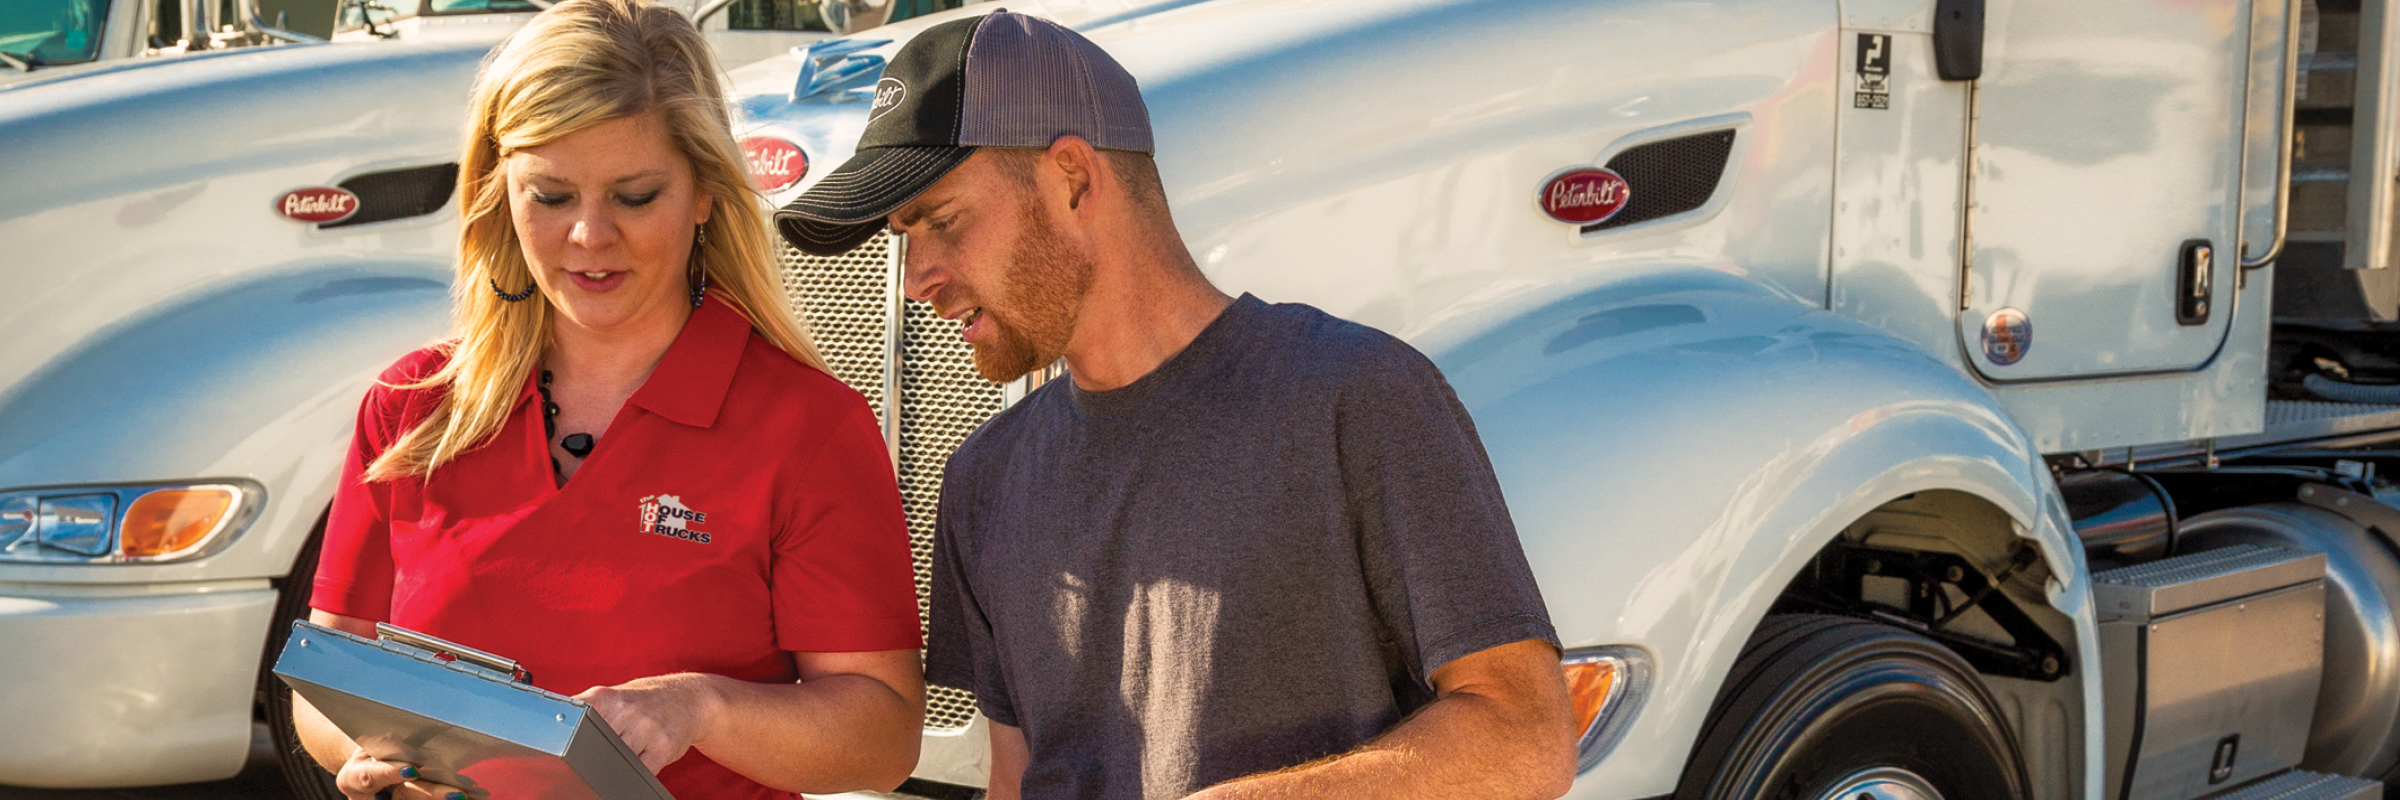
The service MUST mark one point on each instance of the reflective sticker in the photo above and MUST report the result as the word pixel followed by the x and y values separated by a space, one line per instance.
pixel 318 204
pixel 2007 334
pixel 1585 195
pixel 775 164
pixel 1874 72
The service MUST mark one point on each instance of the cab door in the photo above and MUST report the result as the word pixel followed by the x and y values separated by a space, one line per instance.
pixel 2105 194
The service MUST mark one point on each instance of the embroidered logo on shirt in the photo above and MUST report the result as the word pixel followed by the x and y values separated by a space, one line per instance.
pixel 666 515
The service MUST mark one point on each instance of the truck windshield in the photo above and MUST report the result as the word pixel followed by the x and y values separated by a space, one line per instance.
pixel 40 32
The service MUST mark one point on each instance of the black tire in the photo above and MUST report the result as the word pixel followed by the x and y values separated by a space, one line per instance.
pixel 307 780
pixel 1816 702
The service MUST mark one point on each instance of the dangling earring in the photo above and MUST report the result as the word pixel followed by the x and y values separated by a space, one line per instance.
pixel 513 298
pixel 699 278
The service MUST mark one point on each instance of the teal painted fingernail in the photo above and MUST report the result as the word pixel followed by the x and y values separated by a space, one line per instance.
pixel 455 796
pixel 408 772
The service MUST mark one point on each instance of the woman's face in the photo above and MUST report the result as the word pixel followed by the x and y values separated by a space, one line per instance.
pixel 606 216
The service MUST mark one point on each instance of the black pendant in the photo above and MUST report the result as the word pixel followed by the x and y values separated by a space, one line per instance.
pixel 577 444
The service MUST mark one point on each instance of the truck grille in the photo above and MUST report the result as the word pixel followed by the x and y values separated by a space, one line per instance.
pixel 846 302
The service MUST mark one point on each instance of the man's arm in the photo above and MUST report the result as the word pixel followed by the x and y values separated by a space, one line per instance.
pixel 1499 727
pixel 1009 756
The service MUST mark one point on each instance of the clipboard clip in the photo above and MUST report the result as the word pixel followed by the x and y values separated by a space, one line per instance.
pixel 393 637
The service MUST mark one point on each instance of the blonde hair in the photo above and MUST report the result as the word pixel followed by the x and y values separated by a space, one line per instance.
pixel 578 64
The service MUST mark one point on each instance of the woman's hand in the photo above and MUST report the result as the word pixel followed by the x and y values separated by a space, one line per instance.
pixel 659 717
pixel 363 776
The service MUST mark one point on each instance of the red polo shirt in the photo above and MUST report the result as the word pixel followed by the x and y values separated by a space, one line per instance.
pixel 740 507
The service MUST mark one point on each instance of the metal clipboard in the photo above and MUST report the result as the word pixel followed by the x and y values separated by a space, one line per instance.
pixel 475 722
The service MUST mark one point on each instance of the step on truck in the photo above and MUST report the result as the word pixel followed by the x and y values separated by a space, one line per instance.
pixel 1896 398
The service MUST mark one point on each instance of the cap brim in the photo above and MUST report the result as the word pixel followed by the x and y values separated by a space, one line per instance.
pixel 847 207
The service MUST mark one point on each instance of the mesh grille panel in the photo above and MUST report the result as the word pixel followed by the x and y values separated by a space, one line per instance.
pixel 948 709
pixel 942 399
pixel 842 300
pixel 1668 177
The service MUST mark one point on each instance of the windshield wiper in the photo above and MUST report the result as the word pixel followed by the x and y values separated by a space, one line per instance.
pixel 24 63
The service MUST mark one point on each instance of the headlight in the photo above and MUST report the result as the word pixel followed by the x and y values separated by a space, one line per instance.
pixel 122 524
pixel 1607 686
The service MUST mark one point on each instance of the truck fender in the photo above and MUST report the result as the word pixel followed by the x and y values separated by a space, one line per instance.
pixel 258 379
pixel 1676 443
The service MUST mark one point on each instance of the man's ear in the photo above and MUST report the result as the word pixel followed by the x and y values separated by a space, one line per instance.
pixel 1079 168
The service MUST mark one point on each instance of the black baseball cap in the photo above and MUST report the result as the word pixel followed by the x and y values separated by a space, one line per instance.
pixel 996 80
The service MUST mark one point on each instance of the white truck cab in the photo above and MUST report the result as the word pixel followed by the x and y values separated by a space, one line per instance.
pixel 1895 398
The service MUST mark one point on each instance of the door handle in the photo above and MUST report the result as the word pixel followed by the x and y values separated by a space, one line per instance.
pixel 2194 282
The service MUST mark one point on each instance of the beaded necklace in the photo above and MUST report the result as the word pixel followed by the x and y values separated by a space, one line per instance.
pixel 576 444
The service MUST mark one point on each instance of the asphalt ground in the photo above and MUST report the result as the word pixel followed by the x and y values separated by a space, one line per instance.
pixel 259 780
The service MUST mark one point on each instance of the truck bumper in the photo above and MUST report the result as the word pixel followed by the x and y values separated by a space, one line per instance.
pixel 128 685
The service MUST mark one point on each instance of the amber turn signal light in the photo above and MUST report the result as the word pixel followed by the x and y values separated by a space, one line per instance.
pixel 171 521
pixel 1605 687
pixel 1589 685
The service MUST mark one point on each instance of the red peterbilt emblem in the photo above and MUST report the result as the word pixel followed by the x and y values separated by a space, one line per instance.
pixel 775 164
pixel 1584 196
pixel 318 204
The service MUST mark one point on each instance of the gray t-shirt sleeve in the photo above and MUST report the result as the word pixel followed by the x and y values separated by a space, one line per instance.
pixel 958 645
pixel 1441 558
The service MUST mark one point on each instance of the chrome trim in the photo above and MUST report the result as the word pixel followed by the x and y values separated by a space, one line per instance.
pixel 1625 698
pixel 438 647
pixel 1882 783
pixel 895 300
pixel 2283 155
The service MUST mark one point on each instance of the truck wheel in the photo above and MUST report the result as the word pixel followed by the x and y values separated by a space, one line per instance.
pixel 1833 708
pixel 307 780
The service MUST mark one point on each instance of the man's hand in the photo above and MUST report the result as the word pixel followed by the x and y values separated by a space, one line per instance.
pixel 659 717
pixel 363 776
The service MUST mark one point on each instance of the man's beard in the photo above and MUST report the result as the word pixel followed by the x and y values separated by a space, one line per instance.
pixel 1042 293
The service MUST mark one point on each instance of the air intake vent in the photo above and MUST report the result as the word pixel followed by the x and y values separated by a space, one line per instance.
pixel 399 194
pixel 1668 177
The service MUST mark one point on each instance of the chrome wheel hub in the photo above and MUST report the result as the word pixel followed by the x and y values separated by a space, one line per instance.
pixel 1882 783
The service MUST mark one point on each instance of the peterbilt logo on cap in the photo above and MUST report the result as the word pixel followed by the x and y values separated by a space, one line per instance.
pixel 775 164
pixel 318 204
pixel 888 94
pixel 1585 196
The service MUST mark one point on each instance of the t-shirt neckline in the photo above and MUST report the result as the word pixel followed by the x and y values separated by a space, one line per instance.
pixel 1218 335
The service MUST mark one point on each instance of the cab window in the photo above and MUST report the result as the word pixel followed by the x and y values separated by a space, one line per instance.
pixel 45 32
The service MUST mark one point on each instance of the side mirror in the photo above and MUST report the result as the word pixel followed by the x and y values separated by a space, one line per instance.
pixel 852 16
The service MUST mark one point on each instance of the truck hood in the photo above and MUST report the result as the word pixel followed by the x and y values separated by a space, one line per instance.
pixel 133 184
pixel 1294 135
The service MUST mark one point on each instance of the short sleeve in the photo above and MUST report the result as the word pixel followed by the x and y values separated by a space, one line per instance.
pixel 354 566
pixel 841 579
pixel 959 650
pixel 1441 556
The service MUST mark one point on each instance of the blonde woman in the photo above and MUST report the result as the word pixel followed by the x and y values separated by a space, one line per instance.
pixel 630 470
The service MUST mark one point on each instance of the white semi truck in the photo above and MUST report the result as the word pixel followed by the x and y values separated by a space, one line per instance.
pixel 1897 399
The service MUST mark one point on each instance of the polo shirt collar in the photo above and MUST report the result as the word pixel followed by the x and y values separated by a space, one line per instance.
pixel 691 380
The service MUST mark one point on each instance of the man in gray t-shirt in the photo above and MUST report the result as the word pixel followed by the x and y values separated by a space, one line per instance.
pixel 1249 550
